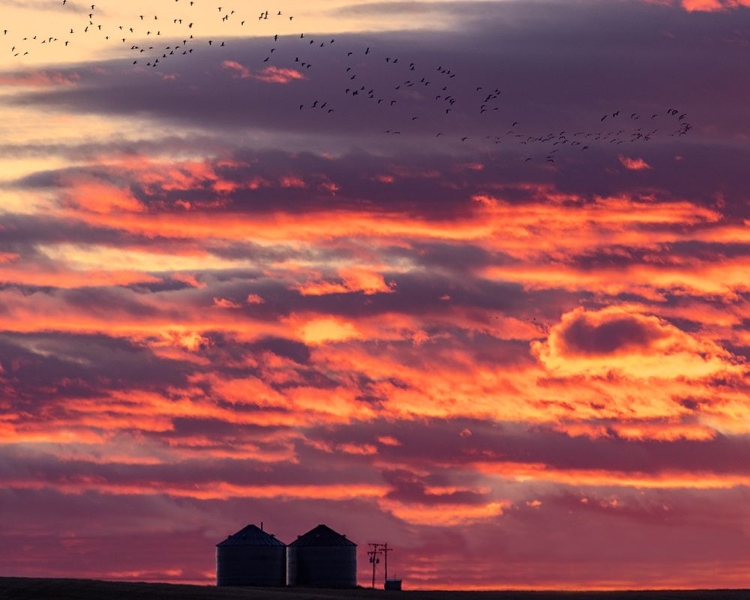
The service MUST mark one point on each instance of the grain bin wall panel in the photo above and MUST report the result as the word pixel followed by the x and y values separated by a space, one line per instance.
pixel 251 566
pixel 321 566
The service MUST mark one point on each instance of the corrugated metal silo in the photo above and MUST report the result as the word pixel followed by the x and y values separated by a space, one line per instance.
pixel 251 557
pixel 322 558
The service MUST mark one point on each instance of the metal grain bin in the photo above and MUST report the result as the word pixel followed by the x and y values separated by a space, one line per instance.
pixel 322 558
pixel 251 557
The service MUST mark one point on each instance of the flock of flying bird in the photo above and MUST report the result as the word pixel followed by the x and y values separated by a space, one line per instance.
pixel 418 88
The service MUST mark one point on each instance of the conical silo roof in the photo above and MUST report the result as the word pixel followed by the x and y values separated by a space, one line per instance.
pixel 251 536
pixel 322 535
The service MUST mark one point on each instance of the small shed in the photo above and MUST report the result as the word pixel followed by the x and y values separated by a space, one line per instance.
pixel 251 557
pixel 392 584
pixel 322 558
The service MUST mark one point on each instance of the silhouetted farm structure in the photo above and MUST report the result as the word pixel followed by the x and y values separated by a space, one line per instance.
pixel 251 557
pixel 319 558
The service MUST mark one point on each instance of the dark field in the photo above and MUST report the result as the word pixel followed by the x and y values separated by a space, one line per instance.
pixel 85 589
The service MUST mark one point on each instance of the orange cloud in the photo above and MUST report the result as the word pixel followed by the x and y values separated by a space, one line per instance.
pixel 713 5
pixel 213 490
pixel 615 339
pixel 269 74
pixel 692 479
pixel 101 198
pixel 64 277
pixel 225 303
pixel 291 181
pixel 443 514
pixel 189 279
pixel 355 279
pixel 327 329
pixel 279 75
pixel 634 164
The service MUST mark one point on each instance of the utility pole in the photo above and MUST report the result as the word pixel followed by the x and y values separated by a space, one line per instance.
pixel 375 552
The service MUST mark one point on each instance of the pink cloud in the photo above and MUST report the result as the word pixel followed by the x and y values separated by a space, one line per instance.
pixel 39 78
pixel 225 303
pixel 634 164
pixel 278 75
pixel 240 71
pixel 713 5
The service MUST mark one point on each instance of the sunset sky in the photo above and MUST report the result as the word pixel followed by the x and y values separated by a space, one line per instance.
pixel 468 277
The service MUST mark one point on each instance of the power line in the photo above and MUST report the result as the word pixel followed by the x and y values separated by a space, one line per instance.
pixel 374 553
